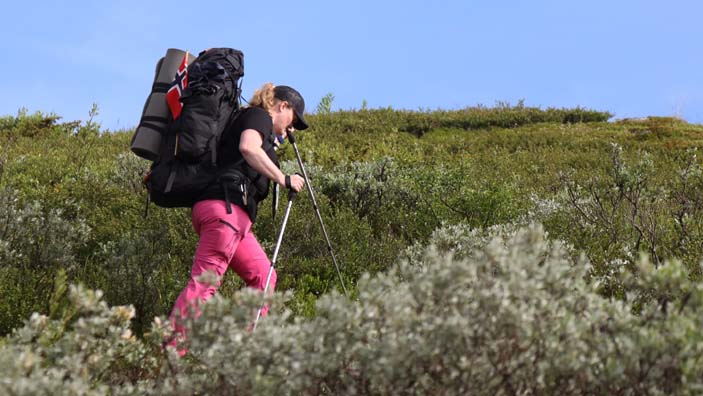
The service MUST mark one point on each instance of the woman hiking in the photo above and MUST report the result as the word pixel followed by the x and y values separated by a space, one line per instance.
pixel 224 215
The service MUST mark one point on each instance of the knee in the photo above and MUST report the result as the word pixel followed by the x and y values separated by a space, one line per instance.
pixel 198 291
pixel 260 274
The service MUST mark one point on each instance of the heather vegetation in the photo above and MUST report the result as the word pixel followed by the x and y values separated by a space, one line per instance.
pixel 502 250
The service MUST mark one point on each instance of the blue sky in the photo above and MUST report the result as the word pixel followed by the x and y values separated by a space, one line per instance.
pixel 632 58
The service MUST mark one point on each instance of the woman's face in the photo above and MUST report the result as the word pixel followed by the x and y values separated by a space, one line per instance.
pixel 283 119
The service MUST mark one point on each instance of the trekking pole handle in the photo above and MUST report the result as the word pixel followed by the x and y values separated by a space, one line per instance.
pixel 291 137
pixel 292 194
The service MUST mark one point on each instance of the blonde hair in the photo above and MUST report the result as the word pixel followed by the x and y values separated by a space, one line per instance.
pixel 263 97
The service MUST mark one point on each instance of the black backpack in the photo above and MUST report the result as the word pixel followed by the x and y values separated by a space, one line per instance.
pixel 187 162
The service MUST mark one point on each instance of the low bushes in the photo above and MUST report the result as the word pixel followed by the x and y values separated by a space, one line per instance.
pixel 527 315
pixel 515 315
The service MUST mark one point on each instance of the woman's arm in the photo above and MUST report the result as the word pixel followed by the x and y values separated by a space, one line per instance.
pixel 250 145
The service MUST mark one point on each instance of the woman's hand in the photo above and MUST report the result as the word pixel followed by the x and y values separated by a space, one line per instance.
pixel 250 146
pixel 296 182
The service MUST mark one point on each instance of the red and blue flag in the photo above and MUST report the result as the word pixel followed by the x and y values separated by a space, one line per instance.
pixel 180 81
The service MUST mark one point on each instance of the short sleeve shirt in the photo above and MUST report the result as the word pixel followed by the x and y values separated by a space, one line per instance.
pixel 250 118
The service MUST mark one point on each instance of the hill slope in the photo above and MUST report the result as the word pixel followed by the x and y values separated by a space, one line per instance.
pixel 513 311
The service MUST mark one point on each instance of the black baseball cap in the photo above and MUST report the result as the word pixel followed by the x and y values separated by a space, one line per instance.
pixel 293 97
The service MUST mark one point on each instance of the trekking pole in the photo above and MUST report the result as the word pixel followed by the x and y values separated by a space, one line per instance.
pixel 291 197
pixel 317 210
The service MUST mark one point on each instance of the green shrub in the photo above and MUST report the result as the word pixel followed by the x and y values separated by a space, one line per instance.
pixel 630 209
pixel 462 181
pixel 35 242
pixel 36 237
pixel 417 123
pixel 515 316
pixel 86 350
pixel 33 125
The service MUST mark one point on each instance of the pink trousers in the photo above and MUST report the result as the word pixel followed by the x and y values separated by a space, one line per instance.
pixel 226 241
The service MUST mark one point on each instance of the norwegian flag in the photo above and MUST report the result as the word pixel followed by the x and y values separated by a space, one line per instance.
pixel 180 81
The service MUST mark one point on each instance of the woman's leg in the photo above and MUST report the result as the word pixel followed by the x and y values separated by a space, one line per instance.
pixel 220 234
pixel 252 265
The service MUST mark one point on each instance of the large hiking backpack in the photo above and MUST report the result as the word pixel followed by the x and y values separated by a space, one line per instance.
pixel 187 161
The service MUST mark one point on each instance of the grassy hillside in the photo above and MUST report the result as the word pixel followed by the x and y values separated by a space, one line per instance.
pixel 389 183
pixel 386 179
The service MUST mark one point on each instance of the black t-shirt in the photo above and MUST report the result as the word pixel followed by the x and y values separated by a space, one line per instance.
pixel 229 156
pixel 251 118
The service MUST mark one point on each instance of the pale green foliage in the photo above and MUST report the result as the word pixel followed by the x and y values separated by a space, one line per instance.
pixel 45 357
pixel 32 236
pixel 460 240
pixel 138 265
pixel 34 242
pixel 364 186
pixel 381 192
pixel 129 172
pixel 515 316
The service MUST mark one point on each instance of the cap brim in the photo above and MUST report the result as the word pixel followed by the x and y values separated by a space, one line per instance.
pixel 299 123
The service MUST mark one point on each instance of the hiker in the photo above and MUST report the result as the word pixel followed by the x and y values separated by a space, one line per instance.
pixel 226 239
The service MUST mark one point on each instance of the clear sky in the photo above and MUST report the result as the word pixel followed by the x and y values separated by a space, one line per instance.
pixel 632 58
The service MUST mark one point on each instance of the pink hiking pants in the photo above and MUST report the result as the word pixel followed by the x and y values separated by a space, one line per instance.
pixel 226 241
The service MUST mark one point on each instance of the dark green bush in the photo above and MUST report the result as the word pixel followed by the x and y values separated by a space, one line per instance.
pixel 385 180
pixel 418 123
pixel 612 217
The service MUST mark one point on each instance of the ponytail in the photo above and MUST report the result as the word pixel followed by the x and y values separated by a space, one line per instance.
pixel 263 97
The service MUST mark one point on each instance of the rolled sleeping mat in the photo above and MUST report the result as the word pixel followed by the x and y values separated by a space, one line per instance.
pixel 156 115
